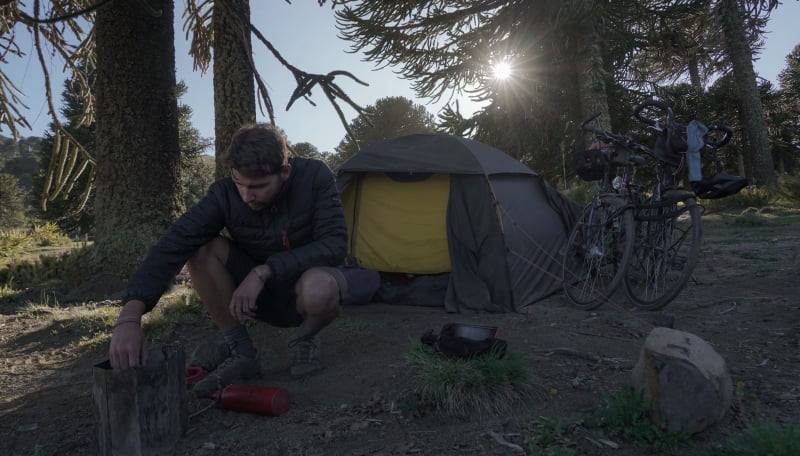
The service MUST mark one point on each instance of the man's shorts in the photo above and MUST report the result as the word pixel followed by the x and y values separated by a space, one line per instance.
pixel 277 303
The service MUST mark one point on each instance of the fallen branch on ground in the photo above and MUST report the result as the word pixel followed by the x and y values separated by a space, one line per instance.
pixel 583 355
pixel 499 439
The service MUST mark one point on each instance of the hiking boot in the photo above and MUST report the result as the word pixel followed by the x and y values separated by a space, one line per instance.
pixel 209 355
pixel 235 367
pixel 306 356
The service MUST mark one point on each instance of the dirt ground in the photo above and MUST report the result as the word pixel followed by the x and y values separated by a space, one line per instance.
pixel 743 300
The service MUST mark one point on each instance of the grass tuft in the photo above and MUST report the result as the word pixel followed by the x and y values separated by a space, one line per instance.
pixel 750 219
pixel 552 434
pixel 625 415
pixel 748 199
pixel 462 387
pixel 763 438
pixel 39 450
pixel 179 306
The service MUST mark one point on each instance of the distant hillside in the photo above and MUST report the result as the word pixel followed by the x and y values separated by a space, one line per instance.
pixel 20 158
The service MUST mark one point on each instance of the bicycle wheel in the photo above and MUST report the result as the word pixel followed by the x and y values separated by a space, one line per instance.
pixel 599 247
pixel 668 238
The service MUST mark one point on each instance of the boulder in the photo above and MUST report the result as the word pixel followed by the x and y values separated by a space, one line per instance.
pixel 685 381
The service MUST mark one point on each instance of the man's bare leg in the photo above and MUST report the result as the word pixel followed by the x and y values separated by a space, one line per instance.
pixel 319 304
pixel 317 299
pixel 213 283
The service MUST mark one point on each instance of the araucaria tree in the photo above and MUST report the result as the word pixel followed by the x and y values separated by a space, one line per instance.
pixel 387 118
pixel 787 130
pixel 569 59
pixel 234 92
pixel 733 16
pixel 138 157
pixel 554 50
pixel 224 27
pixel 137 183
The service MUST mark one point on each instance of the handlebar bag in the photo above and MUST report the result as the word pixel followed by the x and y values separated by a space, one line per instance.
pixel 590 164
pixel 670 144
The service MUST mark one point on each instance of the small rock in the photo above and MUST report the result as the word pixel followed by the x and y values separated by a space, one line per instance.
pixel 685 381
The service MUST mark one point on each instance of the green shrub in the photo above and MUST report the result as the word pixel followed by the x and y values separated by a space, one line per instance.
pixel 790 189
pixel 13 241
pixel 48 234
pixel 71 268
pixel 16 241
pixel 581 193
pixel 12 202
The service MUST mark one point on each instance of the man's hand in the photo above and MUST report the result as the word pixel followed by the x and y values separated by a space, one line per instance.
pixel 127 348
pixel 243 301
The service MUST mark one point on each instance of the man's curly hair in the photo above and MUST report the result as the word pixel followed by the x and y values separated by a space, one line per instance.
pixel 257 150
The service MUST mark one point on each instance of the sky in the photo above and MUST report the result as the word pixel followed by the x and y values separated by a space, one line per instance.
pixel 306 35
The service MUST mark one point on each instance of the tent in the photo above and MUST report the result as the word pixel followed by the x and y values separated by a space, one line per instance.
pixel 435 204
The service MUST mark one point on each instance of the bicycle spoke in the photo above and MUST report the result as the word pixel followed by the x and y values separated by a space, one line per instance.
pixel 596 254
pixel 664 257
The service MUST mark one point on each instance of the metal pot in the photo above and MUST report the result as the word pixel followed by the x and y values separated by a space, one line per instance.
pixel 475 332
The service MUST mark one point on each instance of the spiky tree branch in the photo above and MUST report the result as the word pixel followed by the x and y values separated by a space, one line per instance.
pixel 197 25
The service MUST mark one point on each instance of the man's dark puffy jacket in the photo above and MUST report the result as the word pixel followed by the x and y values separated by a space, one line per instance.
pixel 304 228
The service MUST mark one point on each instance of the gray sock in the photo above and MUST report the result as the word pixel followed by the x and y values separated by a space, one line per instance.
pixel 239 341
pixel 304 331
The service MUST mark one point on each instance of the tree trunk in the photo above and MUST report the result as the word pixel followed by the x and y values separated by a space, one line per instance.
pixel 751 109
pixel 138 157
pixel 740 164
pixel 592 84
pixel 694 74
pixel 591 79
pixel 234 90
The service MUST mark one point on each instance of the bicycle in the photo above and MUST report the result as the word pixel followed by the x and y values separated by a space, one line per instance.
pixel 601 243
pixel 668 229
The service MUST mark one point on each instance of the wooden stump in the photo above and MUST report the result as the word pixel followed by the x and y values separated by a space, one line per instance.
pixel 141 411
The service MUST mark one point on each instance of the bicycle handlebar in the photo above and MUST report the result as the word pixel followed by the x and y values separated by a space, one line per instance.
pixel 624 141
pixel 666 109
pixel 612 138
pixel 727 135
pixel 583 125
pixel 660 105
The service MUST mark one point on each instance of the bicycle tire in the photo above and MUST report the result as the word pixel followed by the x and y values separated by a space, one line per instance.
pixel 599 246
pixel 664 256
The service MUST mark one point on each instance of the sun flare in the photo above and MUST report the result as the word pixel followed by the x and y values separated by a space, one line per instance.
pixel 501 70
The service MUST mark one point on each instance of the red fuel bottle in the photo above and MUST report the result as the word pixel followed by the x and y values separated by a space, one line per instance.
pixel 261 400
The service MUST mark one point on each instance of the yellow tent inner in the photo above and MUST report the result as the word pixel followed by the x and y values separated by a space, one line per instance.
pixel 399 226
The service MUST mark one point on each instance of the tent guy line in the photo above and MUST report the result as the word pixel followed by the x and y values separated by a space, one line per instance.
pixel 605 299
